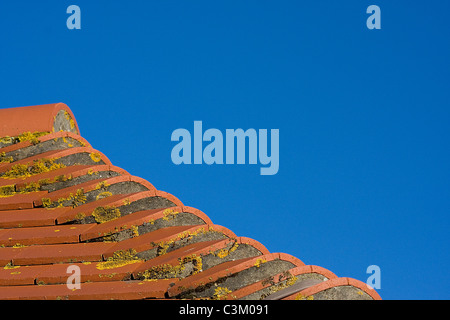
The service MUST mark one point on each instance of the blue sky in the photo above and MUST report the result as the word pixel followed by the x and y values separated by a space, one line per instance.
pixel 363 116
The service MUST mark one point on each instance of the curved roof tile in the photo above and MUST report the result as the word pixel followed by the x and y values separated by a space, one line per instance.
pixel 63 204
pixel 42 118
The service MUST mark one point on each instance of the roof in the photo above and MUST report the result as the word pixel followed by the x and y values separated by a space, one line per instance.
pixel 64 204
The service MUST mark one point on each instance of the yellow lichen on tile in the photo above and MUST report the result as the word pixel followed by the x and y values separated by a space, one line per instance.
pixel 174 271
pixel 7 191
pixel 119 259
pixel 135 231
pixel 75 200
pixel 69 118
pixel 32 137
pixel 96 157
pixel 282 284
pixel 80 216
pixel 102 185
pixel 222 253
pixel 259 261
pixel 10 266
pixel 221 293
pixel 37 167
pixel 5 159
pixel 46 202
pixel 302 297
pixel 19 245
pixel 103 195
pixel 10 190
pixel 163 246
pixel 169 214
pixel 31 187
pixel 105 214
pixel 67 115
pixel 6 140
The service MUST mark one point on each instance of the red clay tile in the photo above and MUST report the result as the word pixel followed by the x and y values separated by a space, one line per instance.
pixel 89 272
pixel 207 276
pixel 152 239
pixel 144 182
pixel 325 272
pixel 47 137
pixel 312 269
pixel 219 271
pixel 85 186
pixel 336 282
pixel 136 219
pixel 115 290
pixel 36 217
pixel 122 223
pixel 254 287
pixel 21 201
pixel 57 273
pixel 257 245
pixel 43 235
pixel 169 197
pixel 112 201
pixel 122 290
pixel 174 257
pixel 66 173
pixel 364 287
pixel 15 121
pixel 65 134
pixel 197 212
pixel 8 254
pixel 20 275
pixel 222 229
pixel 287 257
pixel 87 209
pixel 60 253
pixel 54 154
pixel 51 175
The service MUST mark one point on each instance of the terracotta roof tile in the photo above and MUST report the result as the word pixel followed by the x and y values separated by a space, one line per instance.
pixel 331 288
pixel 155 239
pixel 48 142
pixel 42 235
pixel 266 287
pixel 30 217
pixel 41 118
pixel 63 205
pixel 60 253
pixel 118 290
pixel 21 201
pixel 21 275
pixel 89 271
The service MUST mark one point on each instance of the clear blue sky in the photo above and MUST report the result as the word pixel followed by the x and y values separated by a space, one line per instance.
pixel 363 116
